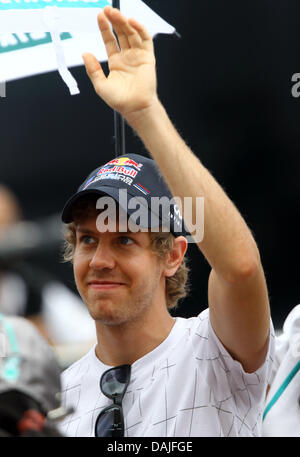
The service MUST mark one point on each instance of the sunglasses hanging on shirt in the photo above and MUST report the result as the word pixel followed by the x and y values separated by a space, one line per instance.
pixel 113 384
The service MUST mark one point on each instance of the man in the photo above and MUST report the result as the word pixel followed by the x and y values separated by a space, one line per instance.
pixel 204 376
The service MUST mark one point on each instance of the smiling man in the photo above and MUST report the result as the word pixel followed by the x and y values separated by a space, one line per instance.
pixel 150 374
pixel 118 275
pixel 121 267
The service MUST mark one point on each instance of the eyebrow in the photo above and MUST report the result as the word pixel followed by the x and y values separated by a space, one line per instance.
pixel 84 230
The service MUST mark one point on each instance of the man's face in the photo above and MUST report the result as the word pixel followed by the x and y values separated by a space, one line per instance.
pixel 117 274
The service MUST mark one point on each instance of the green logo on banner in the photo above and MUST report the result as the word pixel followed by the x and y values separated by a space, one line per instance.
pixel 18 41
pixel 39 4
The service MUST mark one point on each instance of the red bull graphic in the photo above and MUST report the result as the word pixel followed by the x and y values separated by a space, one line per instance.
pixel 124 170
pixel 125 161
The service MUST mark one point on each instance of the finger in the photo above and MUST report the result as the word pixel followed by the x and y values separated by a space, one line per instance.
pixel 126 34
pixel 93 69
pixel 108 36
pixel 122 38
pixel 112 15
pixel 143 33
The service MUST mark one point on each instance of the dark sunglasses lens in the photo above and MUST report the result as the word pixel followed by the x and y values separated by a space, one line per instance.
pixel 109 423
pixel 114 381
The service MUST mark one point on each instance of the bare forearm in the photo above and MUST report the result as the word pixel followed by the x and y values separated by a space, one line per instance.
pixel 130 88
pixel 227 244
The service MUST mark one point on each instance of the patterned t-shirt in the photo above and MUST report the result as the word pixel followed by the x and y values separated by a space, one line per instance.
pixel 187 386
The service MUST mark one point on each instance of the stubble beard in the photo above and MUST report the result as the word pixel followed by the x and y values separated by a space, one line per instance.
pixel 132 309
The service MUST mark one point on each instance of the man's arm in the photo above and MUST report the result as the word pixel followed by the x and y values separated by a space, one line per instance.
pixel 238 298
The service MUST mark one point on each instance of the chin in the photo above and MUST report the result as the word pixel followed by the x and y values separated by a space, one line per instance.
pixel 107 314
pixel 111 322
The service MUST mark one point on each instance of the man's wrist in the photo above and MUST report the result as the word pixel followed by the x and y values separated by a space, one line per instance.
pixel 143 118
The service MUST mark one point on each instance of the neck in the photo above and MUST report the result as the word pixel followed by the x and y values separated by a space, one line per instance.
pixel 128 342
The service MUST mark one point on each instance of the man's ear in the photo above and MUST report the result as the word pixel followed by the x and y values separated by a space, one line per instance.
pixel 175 256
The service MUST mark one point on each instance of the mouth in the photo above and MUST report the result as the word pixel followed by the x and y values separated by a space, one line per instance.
pixel 104 285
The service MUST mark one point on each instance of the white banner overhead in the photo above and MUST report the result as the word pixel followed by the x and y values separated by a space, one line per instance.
pixel 38 36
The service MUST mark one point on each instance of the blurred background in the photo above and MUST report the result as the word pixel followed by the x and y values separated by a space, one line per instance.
pixel 226 84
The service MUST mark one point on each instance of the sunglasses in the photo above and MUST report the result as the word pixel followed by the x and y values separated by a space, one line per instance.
pixel 113 384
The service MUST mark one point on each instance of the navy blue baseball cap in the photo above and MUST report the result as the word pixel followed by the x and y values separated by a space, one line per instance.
pixel 136 184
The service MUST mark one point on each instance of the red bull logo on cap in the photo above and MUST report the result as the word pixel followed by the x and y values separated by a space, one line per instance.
pixel 117 169
pixel 125 161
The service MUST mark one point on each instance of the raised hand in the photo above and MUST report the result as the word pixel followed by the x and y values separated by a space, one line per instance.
pixel 130 86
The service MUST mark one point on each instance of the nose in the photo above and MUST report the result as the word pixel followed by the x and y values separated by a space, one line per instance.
pixel 102 258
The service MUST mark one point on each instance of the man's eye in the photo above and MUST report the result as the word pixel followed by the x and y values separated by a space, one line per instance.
pixel 87 239
pixel 125 240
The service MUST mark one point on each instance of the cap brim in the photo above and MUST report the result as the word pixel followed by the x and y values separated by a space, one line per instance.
pixel 147 218
pixel 67 214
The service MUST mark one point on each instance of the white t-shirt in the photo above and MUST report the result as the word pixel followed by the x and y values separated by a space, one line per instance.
pixel 187 386
pixel 282 412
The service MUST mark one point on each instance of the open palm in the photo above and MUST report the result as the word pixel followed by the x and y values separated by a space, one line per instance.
pixel 131 83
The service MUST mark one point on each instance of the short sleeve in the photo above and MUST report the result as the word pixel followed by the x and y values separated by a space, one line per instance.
pixel 226 375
